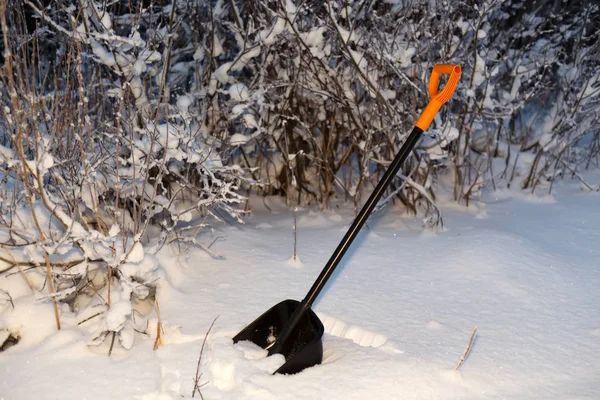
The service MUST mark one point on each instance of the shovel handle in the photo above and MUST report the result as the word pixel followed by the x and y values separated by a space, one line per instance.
pixel 438 98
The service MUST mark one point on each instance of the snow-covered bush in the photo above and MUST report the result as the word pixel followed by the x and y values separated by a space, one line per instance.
pixel 318 96
pixel 531 94
pixel 94 151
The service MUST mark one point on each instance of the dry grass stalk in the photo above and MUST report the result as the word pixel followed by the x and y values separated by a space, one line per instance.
pixel 108 282
pixel 112 343
pixel 197 384
pixel 158 342
pixel 467 350
pixel 295 231
pixel 51 288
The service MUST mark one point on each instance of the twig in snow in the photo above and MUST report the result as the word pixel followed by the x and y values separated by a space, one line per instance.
pixel 112 343
pixel 198 374
pixel 89 318
pixel 295 231
pixel 9 298
pixel 578 176
pixel 214 241
pixel 191 240
pixel 467 350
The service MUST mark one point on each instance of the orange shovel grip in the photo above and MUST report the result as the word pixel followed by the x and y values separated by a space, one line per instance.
pixel 438 98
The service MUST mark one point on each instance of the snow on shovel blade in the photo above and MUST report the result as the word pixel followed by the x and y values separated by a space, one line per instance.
pixel 301 350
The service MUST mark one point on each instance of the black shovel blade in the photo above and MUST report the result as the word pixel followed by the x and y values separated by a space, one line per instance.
pixel 304 347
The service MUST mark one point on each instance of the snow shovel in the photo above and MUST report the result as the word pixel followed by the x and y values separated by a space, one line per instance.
pixel 292 328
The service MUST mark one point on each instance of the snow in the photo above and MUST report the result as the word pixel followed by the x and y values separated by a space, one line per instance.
pixel 238 139
pixel 136 254
pixel 183 103
pixel 33 322
pixel 245 57
pixel 222 73
pixel 479 75
pixel 398 313
pixel 239 92
pixel 46 162
pixel 404 56
pixel 117 315
pixel 269 36
pixel 186 217
pixel 199 54
pixel 143 270
pixel 388 94
pixel 103 56
pixel 114 230
pixel 217 47
pixel 295 262
pixel 106 21
pixel 250 121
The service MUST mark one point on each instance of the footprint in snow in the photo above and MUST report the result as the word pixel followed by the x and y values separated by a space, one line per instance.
pixel 359 335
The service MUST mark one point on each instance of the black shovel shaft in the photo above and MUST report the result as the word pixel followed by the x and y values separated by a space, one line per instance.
pixel 362 216
pixel 351 234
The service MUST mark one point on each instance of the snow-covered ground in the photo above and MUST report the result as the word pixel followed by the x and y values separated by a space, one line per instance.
pixel 398 313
